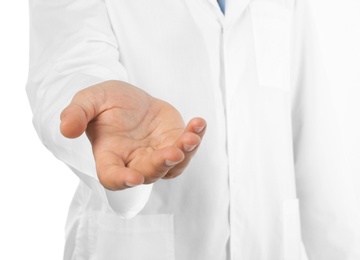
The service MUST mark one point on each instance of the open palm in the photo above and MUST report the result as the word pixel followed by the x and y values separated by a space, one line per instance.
pixel 135 137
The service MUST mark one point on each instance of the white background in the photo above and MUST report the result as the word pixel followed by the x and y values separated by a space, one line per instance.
pixel 36 189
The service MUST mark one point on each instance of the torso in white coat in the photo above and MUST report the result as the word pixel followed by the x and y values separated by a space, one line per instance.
pixel 247 74
pixel 239 192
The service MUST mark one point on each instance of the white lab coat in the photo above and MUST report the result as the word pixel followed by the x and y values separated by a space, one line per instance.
pixel 269 173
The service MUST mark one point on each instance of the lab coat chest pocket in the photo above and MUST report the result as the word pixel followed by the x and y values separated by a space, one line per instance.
pixel 291 230
pixel 271 26
pixel 148 237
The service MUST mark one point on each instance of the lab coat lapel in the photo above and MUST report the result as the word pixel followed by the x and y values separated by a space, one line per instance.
pixel 234 9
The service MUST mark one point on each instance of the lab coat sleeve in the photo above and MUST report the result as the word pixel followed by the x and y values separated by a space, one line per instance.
pixel 72 46
pixel 326 185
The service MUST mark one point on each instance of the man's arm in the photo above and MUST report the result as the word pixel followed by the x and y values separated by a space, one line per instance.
pixel 72 47
pixel 136 139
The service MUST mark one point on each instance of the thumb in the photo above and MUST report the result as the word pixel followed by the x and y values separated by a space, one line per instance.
pixel 75 117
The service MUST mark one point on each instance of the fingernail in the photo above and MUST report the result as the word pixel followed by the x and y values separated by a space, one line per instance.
pixel 129 184
pixel 189 148
pixel 170 163
pixel 199 129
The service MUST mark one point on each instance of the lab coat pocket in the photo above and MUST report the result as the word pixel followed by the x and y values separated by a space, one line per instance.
pixel 149 237
pixel 291 230
pixel 271 25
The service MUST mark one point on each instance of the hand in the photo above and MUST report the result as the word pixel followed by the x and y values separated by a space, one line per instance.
pixel 136 138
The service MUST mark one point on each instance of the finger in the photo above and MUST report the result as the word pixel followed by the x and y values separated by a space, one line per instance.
pixel 188 142
pixel 113 174
pixel 196 125
pixel 85 105
pixel 154 164
pixel 191 137
pixel 73 121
